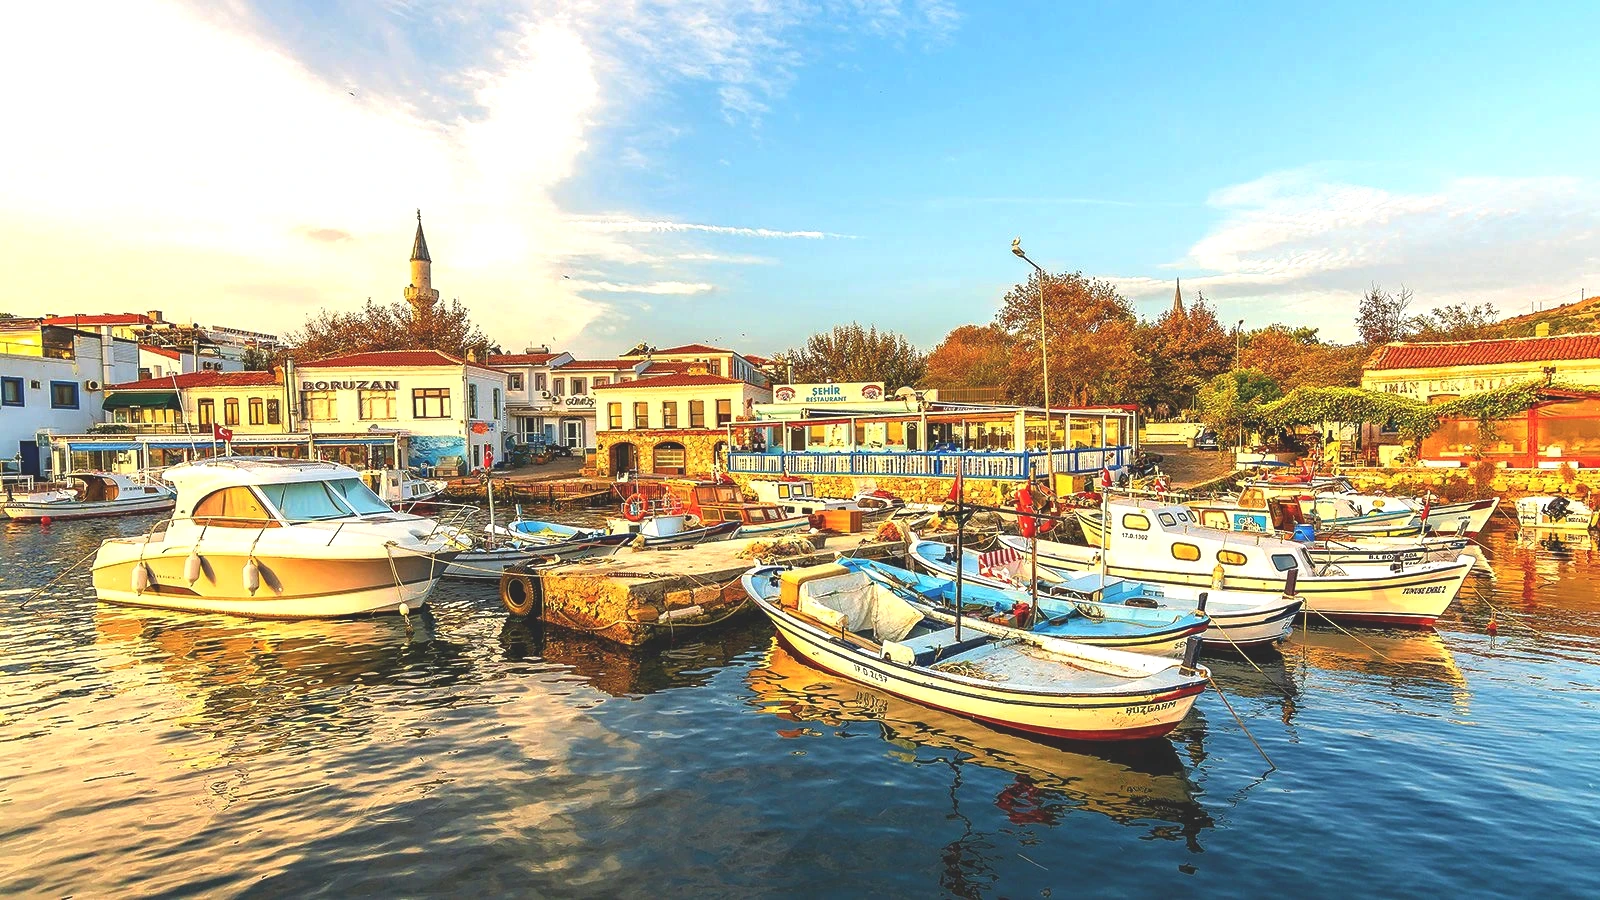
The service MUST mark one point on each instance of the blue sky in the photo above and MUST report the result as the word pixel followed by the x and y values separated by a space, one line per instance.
pixel 598 173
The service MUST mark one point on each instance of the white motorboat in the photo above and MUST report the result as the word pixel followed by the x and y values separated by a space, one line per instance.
pixel 798 497
pixel 1155 542
pixel 276 538
pixel 844 622
pixel 399 487
pixel 1556 514
pixel 85 495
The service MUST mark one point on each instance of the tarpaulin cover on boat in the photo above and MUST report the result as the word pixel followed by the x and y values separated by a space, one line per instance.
pixel 143 399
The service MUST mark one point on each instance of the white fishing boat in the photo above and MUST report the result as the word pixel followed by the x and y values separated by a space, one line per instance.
pixel 277 538
pixel 87 495
pixel 1155 542
pixel 399 487
pixel 844 622
pixel 1313 492
pixel 1556 514
pixel 797 497
pixel 1327 548
pixel 1237 619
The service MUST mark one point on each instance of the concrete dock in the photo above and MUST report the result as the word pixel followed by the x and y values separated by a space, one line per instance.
pixel 637 596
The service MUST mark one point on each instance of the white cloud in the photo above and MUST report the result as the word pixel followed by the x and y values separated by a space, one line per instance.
pixel 1298 244
pixel 646 226
pixel 653 287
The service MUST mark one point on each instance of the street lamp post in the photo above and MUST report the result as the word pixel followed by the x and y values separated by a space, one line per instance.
pixel 1044 351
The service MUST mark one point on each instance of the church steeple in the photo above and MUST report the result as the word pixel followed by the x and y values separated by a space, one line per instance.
pixel 420 293
pixel 1177 292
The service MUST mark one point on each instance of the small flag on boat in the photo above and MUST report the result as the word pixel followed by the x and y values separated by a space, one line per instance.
pixel 1028 525
pixel 955 489
pixel 1105 479
pixel 222 434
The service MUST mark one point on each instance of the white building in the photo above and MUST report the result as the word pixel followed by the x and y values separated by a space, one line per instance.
pixel 536 415
pixel 671 424
pixel 163 362
pixel 454 410
pixel 51 378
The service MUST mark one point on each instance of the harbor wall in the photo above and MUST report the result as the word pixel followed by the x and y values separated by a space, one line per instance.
pixel 1477 482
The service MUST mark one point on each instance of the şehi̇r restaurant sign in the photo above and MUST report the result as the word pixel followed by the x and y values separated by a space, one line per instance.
pixel 845 392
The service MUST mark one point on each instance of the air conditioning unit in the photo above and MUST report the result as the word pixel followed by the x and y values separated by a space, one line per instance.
pixel 91 385
pixel 543 395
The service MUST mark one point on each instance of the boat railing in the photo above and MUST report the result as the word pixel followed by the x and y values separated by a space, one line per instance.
pixel 1005 465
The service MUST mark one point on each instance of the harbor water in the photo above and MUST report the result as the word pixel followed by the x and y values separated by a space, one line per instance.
pixel 147 753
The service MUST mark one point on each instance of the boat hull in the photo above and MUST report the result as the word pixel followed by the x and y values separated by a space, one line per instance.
pixel 23 511
pixel 290 587
pixel 490 564
pixel 1097 717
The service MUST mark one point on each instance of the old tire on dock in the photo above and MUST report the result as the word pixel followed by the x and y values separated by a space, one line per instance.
pixel 521 593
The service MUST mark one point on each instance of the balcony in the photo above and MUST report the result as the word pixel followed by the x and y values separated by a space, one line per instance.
pixel 1005 466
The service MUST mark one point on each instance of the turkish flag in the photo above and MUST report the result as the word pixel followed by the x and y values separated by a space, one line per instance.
pixel 955 489
pixel 1028 525
pixel 222 434
pixel 1105 479
pixel 488 456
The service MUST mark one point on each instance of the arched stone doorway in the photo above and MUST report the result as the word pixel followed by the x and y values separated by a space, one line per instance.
pixel 670 459
pixel 623 458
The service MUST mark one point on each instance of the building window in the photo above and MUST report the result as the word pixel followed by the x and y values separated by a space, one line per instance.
pixel 601 380
pixel 614 416
pixel 430 403
pixel 274 416
pixel 257 411
pixel 579 387
pixel 206 411
pixel 230 411
pixel 714 366
pixel 472 401
pixel 724 412
pixel 538 381
pixel 320 406
pixel 376 404
pixel 641 414
pixel 516 383
pixel 697 414
pixel 558 387
pixel 496 406
pixel 669 414
pixel 63 395
pixel 11 392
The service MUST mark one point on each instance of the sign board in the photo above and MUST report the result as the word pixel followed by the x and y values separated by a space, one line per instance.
pixel 349 385
pixel 841 392
pixel 1425 388
pixel 583 402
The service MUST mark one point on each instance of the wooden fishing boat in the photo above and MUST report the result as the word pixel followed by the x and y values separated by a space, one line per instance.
pixel 844 622
pixel 1163 543
pixel 1237 619
pixel 797 497
pixel 1556 514
pixel 1337 547
pixel 87 495
pixel 707 503
pixel 489 562
pixel 1333 498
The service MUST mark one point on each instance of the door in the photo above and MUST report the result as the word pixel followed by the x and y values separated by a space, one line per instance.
pixel 30 458
pixel 575 435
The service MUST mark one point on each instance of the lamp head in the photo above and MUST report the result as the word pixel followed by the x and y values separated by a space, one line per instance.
pixel 1016 246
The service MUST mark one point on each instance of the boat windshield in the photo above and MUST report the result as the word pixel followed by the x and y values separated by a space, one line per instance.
pixel 306 501
pixel 359 497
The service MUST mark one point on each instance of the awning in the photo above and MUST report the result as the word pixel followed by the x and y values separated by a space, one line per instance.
pixel 144 399
pixel 102 445
pixel 351 441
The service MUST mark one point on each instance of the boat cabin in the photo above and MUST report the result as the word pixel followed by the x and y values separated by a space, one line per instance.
pixel 1172 538
pixel 262 492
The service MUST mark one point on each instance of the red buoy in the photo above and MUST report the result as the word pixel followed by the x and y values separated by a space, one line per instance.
pixel 1494 627
pixel 44 520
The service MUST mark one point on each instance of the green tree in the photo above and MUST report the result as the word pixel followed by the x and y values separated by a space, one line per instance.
pixel 1233 401
pixel 853 353
pixel 393 326
pixel 1455 322
pixel 258 359
pixel 1091 331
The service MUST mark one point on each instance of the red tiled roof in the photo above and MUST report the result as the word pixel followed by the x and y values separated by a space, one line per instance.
pixel 198 380
pixel 102 319
pixel 664 366
pixel 669 381
pixel 1485 353
pixel 610 365
pixel 522 359
pixel 168 352
pixel 755 360
pixel 694 348
pixel 386 358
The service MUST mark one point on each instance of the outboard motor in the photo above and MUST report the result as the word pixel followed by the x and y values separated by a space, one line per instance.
pixel 1191 652
pixel 1557 508
pixel 1204 595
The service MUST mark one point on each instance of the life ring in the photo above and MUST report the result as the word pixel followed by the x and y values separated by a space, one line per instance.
pixel 671 503
pixel 633 508
pixel 521 594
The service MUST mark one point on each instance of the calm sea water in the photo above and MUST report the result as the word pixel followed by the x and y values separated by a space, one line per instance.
pixel 154 754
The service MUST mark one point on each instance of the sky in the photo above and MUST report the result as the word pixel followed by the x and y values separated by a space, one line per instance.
pixel 596 173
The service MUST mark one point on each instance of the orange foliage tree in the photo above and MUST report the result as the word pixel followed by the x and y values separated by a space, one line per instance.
pixel 1091 332
pixel 971 356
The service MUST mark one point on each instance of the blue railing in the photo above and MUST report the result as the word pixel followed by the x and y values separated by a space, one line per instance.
pixel 977 464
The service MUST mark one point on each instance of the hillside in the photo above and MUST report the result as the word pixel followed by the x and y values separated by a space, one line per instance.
pixel 1583 315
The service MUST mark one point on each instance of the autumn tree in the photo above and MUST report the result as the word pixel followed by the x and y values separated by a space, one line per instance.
pixel 853 353
pixel 257 359
pixel 1295 357
pixel 1091 337
pixel 1185 348
pixel 1381 316
pixel 1455 322
pixel 393 326
pixel 971 356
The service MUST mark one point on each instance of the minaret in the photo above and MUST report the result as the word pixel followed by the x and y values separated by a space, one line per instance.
pixel 1177 292
pixel 420 293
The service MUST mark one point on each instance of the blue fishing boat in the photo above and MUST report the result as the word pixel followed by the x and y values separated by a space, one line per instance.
pixel 1142 630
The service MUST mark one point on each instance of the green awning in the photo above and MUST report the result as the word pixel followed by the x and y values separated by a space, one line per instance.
pixel 144 399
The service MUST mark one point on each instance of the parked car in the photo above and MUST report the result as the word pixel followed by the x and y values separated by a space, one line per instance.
pixel 1207 440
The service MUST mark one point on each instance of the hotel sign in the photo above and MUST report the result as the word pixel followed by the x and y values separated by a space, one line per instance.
pixel 844 392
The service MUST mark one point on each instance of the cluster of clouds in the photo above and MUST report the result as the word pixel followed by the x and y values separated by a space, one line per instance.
pixel 251 164
pixel 1300 246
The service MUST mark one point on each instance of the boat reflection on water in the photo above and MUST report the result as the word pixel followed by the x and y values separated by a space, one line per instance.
pixel 1133 783
pixel 623 672
pixel 1408 665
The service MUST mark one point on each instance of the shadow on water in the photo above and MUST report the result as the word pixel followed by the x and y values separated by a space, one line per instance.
pixel 621 672
pixel 1136 783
